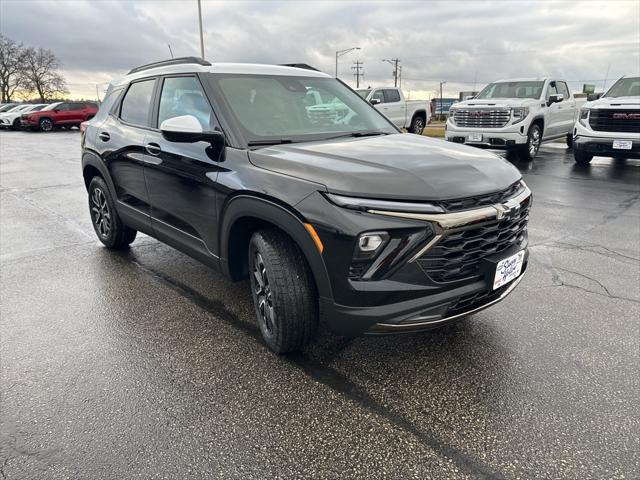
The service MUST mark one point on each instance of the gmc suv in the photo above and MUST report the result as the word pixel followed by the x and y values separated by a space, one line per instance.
pixel 341 219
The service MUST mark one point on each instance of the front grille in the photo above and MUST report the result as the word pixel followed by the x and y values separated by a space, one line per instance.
pixel 458 256
pixel 481 200
pixel 481 118
pixel 615 120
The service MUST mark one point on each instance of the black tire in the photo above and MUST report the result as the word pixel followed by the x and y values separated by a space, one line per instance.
pixel 570 140
pixel 16 124
pixel 417 125
pixel 582 158
pixel 530 149
pixel 105 219
pixel 284 293
pixel 45 124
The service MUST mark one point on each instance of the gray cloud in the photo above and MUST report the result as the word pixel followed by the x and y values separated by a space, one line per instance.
pixel 460 42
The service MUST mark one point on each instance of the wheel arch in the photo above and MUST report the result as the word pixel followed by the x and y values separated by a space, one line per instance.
pixel 243 215
pixel 93 166
pixel 540 122
pixel 419 113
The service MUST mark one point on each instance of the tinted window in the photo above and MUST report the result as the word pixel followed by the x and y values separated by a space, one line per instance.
pixel 76 106
pixel 184 96
pixel 63 107
pixel 92 105
pixel 378 95
pixel 109 104
pixel 136 103
pixel 391 96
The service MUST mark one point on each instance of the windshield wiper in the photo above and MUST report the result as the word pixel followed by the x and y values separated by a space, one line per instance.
pixel 273 141
pixel 370 133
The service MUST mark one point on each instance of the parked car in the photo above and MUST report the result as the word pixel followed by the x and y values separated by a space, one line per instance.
pixel 61 114
pixel 410 114
pixel 610 126
pixel 352 222
pixel 11 118
pixel 515 114
pixel 7 106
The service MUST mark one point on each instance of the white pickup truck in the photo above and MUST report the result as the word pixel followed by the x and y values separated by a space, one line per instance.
pixel 410 114
pixel 515 114
pixel 610 126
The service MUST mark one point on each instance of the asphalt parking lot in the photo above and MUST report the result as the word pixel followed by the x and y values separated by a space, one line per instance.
pixel 146 364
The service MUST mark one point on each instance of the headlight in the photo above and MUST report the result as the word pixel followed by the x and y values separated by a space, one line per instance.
pixel 519 114
pixel 584 117
pixel 452 112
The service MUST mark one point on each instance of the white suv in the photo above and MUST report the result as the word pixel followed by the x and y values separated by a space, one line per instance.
pixel 610 126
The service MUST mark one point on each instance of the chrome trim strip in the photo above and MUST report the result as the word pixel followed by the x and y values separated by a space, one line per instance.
pixel 426 248
pixel 412 326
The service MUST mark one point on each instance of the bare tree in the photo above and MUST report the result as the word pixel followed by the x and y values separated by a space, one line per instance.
pixel 41 75
pixel 12 56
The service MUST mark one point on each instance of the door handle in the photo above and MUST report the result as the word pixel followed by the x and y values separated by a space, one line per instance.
pixel 104 136
pixel 153 149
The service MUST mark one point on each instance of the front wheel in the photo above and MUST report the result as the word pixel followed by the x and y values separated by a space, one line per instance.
pixel 530 149
pixel 105 219
pixel 582 158
pixel 417 125
pixel 46 125
pixel 284 293
pixel 570 140
pixel 16 124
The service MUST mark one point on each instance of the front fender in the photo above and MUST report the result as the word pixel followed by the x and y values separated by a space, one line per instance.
pixel 291 222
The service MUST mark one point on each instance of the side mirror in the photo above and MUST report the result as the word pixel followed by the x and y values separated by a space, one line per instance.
pixel 374 101
pixel 187 129
pixel 469 97
pixel 593 96
pixel 56 110
pixel 555 99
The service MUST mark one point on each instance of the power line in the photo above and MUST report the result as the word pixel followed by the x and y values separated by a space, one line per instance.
pixel 394 62
pixel 358 71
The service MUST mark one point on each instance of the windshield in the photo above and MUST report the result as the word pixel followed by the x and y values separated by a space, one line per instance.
pixel 512 90
pixel 625 87
pixel 280 109
pixel 16 108
pixel 37 108
pixel 51 107
pixel 363 93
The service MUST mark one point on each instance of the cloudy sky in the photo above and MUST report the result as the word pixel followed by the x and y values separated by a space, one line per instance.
pixel 465 43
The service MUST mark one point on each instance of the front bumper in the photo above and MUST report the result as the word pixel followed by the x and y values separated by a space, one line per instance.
pixel 505 137
pixel 603 146
pixel 413 298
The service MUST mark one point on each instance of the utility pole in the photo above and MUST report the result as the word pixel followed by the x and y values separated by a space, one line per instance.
pixel 441 111
pixel 339 53
pixel 394 62
pixel 400 78
pixel 201 36
pixel 358 71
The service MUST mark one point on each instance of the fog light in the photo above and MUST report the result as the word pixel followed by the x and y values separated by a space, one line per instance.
pixel 370 242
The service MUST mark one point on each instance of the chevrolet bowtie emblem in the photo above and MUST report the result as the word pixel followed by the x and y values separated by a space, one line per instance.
pixel 506 211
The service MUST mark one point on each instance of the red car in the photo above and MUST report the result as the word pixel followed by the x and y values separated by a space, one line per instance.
pixel 61 114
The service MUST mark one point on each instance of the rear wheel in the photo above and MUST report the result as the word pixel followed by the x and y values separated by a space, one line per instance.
pixel 530 149
pixel 581 157
pixel 283 290
pixel 46 125
pixel 105 219
pixel 417 125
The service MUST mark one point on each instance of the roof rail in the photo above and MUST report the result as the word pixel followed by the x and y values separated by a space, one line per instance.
pixel 299 65
pixel 173 61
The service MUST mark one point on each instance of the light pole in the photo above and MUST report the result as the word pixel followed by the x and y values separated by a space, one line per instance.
pixel 339 53
pixel 201 37
pixel 441 111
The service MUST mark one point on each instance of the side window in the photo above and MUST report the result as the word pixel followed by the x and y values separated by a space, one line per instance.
pixel 63 107
pixel 552 90
pixel 136 103
pixel 108 105
pixel 378 95
pixel 391 96
pixel 562 89
pixel 76 106
pixel 184 96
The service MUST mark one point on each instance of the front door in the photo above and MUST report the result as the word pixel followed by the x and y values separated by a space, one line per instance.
pixel 553 120
pixel 181 177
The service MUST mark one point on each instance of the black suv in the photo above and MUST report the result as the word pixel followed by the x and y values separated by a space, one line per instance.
pixel 288 177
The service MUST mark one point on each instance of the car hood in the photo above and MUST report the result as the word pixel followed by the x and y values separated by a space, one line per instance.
pixel 497 102
pixel 613 102
pixel 398 166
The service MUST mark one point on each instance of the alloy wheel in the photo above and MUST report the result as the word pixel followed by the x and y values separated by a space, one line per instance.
pixel 264 296
pixel 534 142
pixel 46 125
pixel 418 126
pixel 100 212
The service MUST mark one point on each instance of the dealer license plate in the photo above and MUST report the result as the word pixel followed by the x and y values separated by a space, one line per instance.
pixel 474 137
pixel 508 269
pixel 622 144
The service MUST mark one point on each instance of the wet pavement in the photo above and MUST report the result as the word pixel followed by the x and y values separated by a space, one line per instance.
pixel 146 364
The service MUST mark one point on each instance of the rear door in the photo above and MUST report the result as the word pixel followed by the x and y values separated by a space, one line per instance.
pixel 394 107
pixel 181 177
pixel 120 141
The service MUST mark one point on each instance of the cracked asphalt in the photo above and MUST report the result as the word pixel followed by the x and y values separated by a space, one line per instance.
pixel 146 364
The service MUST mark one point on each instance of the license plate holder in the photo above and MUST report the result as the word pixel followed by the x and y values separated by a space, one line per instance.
pixel 508 269
pixel 622 144
pixel 474 137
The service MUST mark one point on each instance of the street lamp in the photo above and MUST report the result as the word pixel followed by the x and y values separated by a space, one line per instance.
pixel 441 110
pixel 339 53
